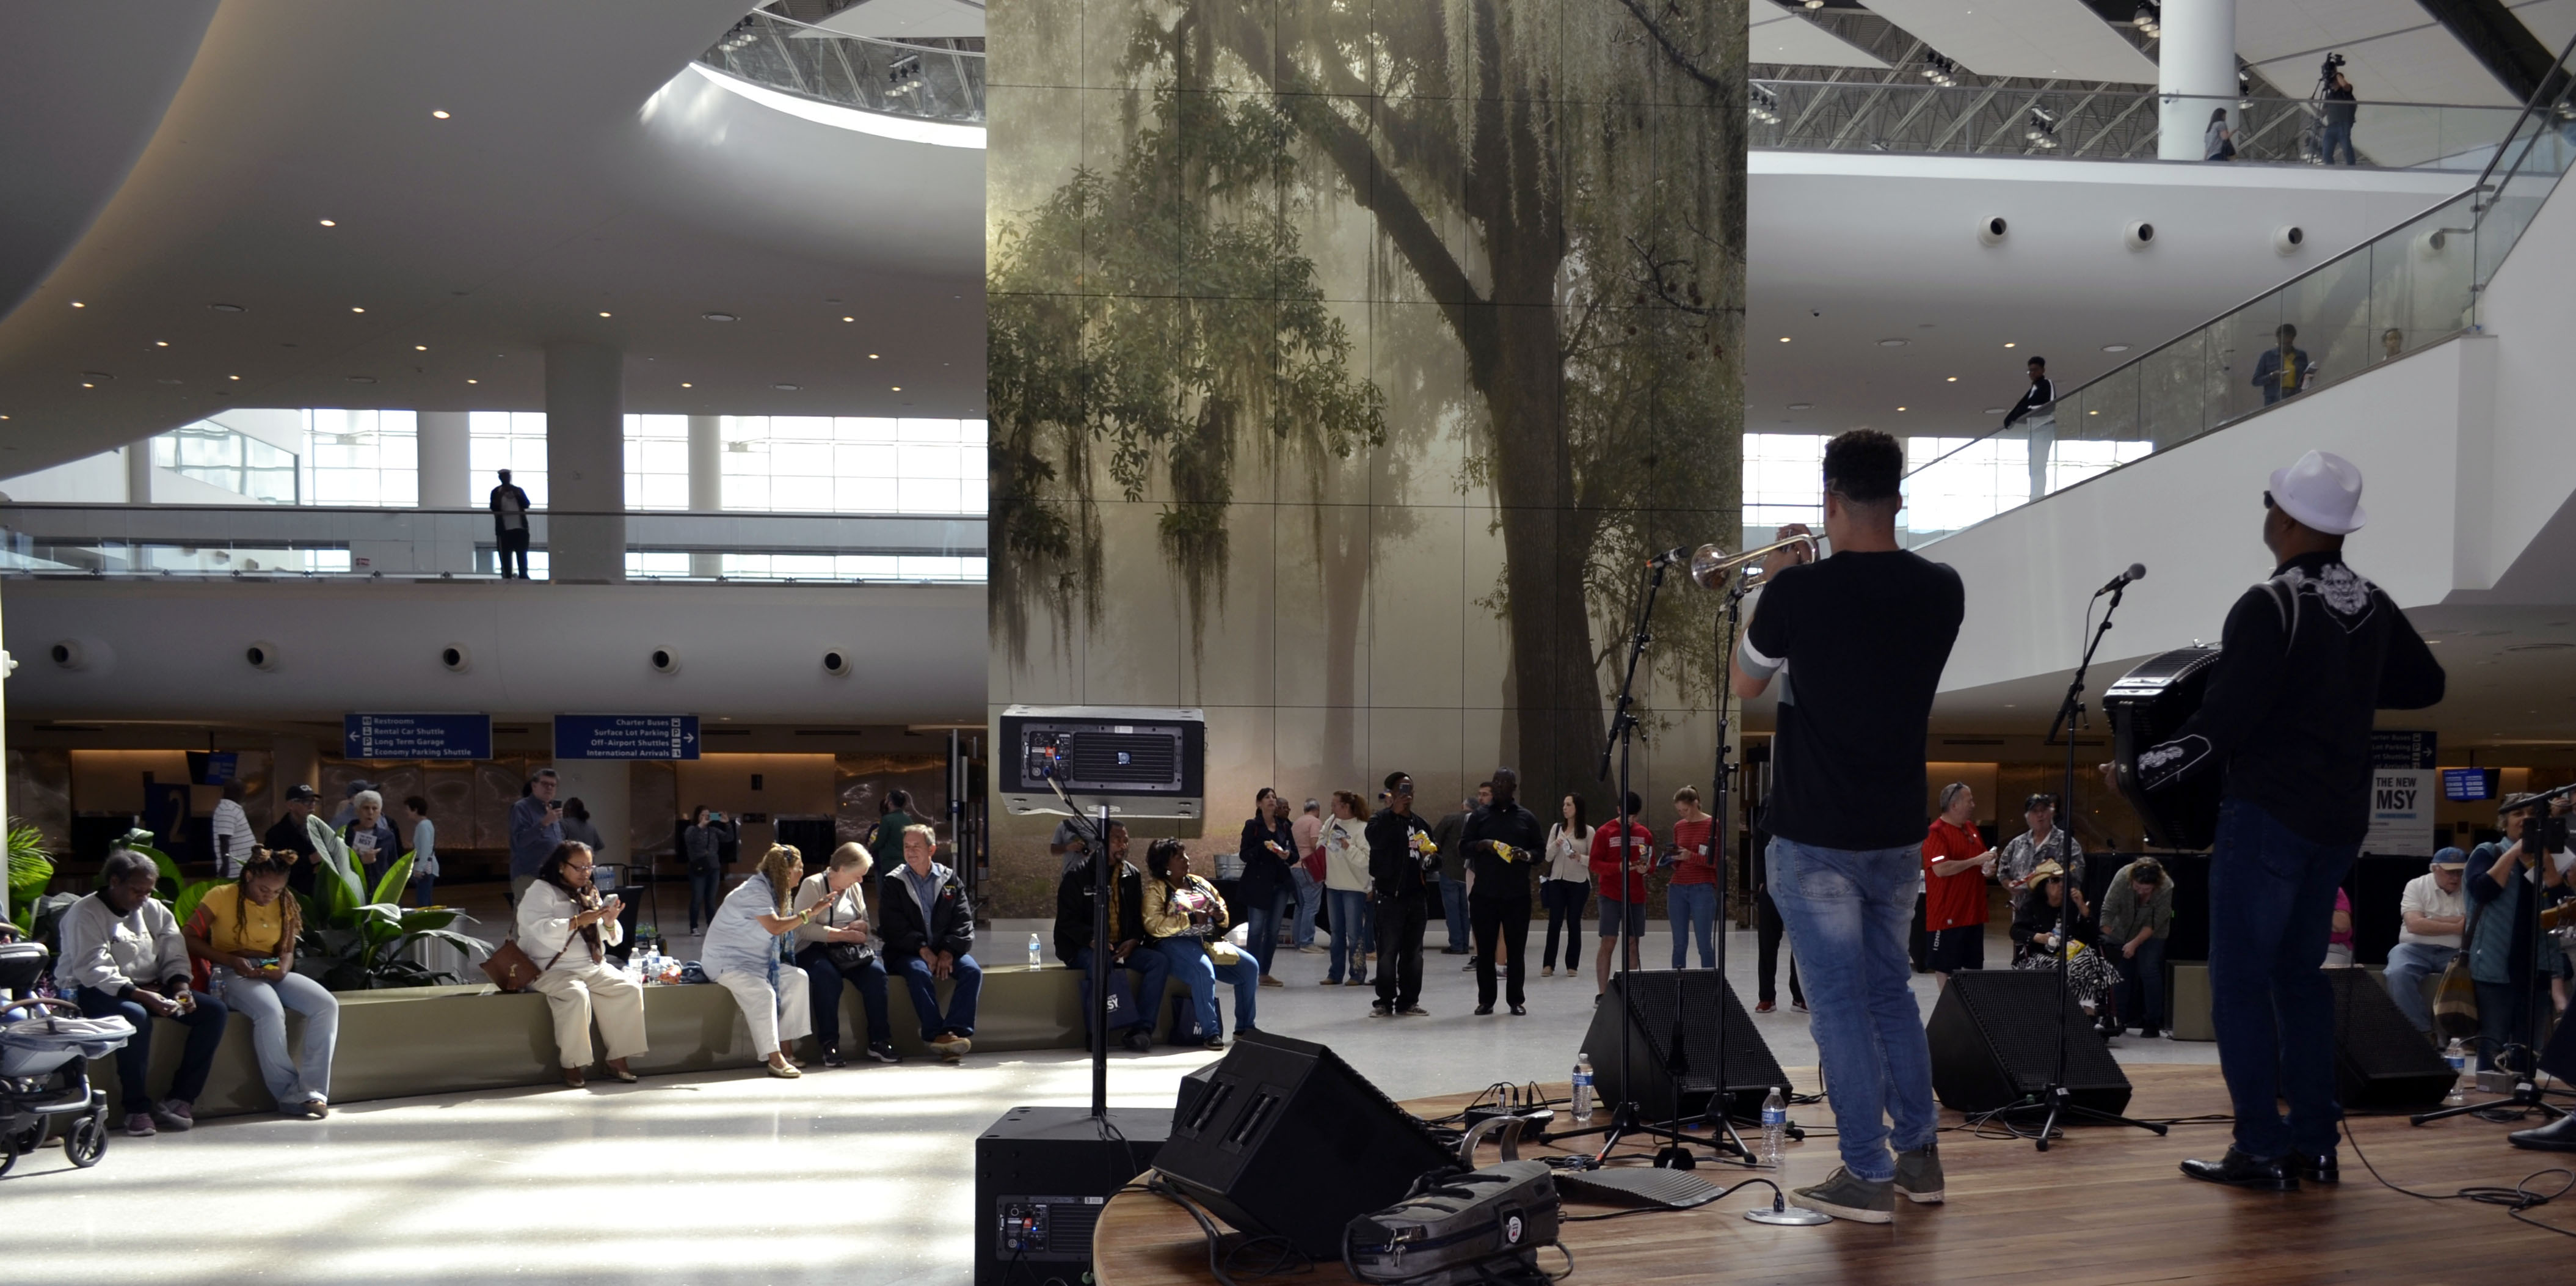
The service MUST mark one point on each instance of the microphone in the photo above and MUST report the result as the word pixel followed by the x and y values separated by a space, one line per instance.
pixel 2137 572
pixel 1669 557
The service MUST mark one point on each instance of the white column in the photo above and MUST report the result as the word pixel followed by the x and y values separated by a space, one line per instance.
pixel 446 480
pixel 138 472
pixel 2195 72
pixel 706 483
pixel 585 463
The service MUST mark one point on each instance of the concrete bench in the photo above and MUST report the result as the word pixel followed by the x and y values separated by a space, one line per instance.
pixel 442 1040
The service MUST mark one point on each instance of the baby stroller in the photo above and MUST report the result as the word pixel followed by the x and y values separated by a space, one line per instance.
pixel 45 1048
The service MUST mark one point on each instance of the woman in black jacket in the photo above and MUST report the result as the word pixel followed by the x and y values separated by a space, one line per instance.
pixel 929 927
pixel 1266 887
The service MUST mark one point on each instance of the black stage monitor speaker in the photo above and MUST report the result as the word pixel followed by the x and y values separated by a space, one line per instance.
pixel 1994 1043
pixel 1643 1010
pixel 1042 1176
pixel 2381 1061
pixel 1286 1140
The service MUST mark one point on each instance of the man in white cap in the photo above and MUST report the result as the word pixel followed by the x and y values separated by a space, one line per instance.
pixel 2306 658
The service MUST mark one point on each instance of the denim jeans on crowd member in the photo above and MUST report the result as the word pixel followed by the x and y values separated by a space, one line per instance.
pixel 205 1025
pixel 1453 908
pixel 1152 969
pixel 2141 996
pixel 1310 895
pixel 960 1017
pixel 1349 911
pixel 1692 908
pixel 1847 911
pixel 705 888
pixel 1766 962
pixel 1200 972
pixel 2409 964
pixel 2271 908
pixel 2339 138
pixel 1564 901
pixel 292 1080
pixel 1262 927
pixel 823 992
pixel 423 887
pixel 2504 1019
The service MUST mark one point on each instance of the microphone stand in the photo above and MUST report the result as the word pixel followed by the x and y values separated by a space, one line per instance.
pixel 1103 885
pixel 2055 1096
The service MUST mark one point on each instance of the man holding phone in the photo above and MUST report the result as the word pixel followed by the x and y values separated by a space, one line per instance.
pixel 536 827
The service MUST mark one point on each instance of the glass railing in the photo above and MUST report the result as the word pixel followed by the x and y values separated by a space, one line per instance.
pixel 274 541
pixel 937 80
pixel 2412 286
pixel 2103 124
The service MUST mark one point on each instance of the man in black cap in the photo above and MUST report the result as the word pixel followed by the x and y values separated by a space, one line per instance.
pixel 290 835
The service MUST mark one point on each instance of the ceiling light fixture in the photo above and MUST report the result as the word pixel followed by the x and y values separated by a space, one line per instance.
pixel 1900 408
pixel 603 314
pixel 160 343
pixel 1784 339
pixel 78 304
pixel 786 388
pixel 438 115
pixel 1954 379
pixel 2115 348
pixel 232 377
pixel 2008 344
pixel 330 223
pixel 1891 343
pixel 711 316
pixel 849 319
pixel 1802 406
pixel 355 309
pixel 686 384
pixel 228 308
pixel 420 348
pixel 872 357
pixel 898 388
pixel 473 381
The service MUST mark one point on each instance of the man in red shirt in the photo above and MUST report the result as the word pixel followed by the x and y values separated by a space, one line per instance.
pixel 1690 901
pixel 1955 863
pixel 1622 901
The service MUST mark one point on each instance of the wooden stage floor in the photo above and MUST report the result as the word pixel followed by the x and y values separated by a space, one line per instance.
pixel 2100 1206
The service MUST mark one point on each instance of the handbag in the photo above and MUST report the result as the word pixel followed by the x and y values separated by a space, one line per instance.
pixel 510 968
pixel 1314 864
pixel 846 957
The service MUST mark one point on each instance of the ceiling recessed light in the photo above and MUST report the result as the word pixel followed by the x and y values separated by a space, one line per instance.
pixel 78 304
pixel 228 308
pixel 603 314
pixel 711 316
pixel 1784 339
pixel 355 309
pixel 1900 408
pixel 872 357
pixel 438 115
pixel 473 381
pixel 898 388
pixel 330 223
pixel 2115 348
pixel 1954 379
pixel 160 343
pixel 1891 343
pixel 420 348
pixel 232 377
pixel 1802 406
pixel 2008 344
pixel 786 388
pixel 1994 410
pixel 851 319
pixel 686 384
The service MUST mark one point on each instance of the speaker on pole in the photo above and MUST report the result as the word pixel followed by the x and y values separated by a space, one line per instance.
pixel 2381 1061
pixel 1994 1043
pixel 1668 1019
pixel 1286 1140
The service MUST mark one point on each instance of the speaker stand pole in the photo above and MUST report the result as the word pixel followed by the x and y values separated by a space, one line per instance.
pixel 1104 884
pixel 1721 851
pixel 2056 1097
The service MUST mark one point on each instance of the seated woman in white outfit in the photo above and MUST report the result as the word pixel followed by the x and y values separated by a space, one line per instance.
pixel 566 928
pixel 741 953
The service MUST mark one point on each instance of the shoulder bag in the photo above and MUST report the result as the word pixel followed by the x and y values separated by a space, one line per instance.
pixel 846 957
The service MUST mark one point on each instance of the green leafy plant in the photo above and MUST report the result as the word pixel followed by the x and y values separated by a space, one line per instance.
pixel 358 943
pixel 181 893
pixel 31 868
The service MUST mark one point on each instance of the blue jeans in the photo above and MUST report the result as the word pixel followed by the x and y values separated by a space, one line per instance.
pixel 2140 999
pixel 422 887
pixel 2339 138
pixel 2409 964
pixel 823 992
pixel 1847 913
pixel 1692 908
pixel 2271 908
pixel 205 1026
pixel 1152 969
pixel 1262 927
pixel 1310 895
pixel 960 1017
pixel 1199 971
pixel 1453 907
pixel 1349 911
pixel 704 886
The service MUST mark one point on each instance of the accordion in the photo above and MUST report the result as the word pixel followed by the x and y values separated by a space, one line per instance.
pixel 2147 706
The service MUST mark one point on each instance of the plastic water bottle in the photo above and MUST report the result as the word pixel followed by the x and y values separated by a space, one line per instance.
pixel 1037 958
pixel 1775 1127
pixel 1583 1089
pixel 2458 1057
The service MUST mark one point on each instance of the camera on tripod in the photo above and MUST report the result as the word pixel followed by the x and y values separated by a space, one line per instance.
pixel 2326 70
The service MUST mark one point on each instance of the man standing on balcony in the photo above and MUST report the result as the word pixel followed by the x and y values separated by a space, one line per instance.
pixel 2039 405
pixel 2282 372
pixel 510 525
pixel 2306 659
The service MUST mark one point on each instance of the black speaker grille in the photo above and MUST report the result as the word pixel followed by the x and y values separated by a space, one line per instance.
pixel 1129 758
pixel 1657 999
pixel 2013 1009
pixel 2381 1060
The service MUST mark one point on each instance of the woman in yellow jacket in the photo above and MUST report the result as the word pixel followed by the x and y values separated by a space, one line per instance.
pixel 1187 922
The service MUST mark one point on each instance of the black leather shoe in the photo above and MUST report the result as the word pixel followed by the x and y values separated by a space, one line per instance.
pixel 2315 1167
pixel 2241 1171
pixel 2557 1136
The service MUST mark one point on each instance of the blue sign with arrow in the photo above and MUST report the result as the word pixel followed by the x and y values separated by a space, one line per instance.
pixel 626 736
pixel 416 736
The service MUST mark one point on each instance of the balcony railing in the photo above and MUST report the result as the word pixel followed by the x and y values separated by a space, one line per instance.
pixel 2102 124
pixel 2416 284
pixel 270 541
pixel 926 79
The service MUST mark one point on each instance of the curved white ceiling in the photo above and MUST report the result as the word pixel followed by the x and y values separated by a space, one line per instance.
pixel 544 200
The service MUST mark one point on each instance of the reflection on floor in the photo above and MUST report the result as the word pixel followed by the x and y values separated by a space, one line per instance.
pixel 854 1177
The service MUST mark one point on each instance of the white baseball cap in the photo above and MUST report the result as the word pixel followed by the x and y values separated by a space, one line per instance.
pixel 2323 491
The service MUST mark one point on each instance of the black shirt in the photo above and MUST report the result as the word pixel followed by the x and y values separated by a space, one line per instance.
pixel 1498 880
pixel 1264 872
pixel 288 832
pixel 1395 871
pixel 1864 637
pixel 2304 660
pixel 2340 106
pixel 2040 393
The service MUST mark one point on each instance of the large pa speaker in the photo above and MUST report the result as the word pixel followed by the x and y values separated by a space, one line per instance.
pixel 1042 1177
pixel 2381 1061
pixel 1286 1140
pixel 1656 1013
pixel 1994 1043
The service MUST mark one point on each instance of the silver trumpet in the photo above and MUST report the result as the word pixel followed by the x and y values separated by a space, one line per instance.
pixel 1712 566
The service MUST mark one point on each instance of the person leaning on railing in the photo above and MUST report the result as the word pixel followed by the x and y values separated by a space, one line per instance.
pixel 566 928
pixel 245 933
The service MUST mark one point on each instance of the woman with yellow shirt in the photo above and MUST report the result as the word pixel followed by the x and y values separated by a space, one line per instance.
pixel 245 932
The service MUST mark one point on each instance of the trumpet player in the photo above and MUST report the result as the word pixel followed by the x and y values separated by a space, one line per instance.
pixel 1500 840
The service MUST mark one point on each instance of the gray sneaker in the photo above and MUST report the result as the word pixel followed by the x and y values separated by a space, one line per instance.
pixel 1918 1175
pixel 1846 1197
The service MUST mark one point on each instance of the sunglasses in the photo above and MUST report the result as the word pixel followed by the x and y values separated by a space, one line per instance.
pixel 2267 501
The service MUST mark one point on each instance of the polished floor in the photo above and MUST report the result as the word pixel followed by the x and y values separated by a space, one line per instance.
pixel 856 1177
